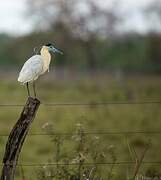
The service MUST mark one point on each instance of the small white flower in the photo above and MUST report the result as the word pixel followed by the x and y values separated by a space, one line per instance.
pixel 79 125
pixel 44 126
pixel 97 137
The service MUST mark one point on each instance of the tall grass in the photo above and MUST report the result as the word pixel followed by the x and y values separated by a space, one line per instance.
pixel 111 118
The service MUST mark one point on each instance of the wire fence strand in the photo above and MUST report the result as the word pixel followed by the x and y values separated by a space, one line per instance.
pixel 51 104
pixel 100 133
pixel 85 164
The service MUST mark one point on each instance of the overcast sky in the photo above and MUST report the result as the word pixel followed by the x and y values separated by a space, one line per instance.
pixel 13 20
pixel 12 15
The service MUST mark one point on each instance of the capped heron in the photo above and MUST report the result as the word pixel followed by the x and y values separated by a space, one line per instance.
pixel 36 66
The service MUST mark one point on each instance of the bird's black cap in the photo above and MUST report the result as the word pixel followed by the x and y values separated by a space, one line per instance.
pixel 49 44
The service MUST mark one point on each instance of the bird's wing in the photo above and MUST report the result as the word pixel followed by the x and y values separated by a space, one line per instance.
pixel 31 69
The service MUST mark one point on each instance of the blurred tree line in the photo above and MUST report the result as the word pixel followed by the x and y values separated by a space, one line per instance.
pixel 88 32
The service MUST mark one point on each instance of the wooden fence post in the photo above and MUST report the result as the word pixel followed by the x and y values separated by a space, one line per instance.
pixel 17 137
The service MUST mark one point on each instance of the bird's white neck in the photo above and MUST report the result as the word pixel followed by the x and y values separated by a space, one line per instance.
pixel 46 57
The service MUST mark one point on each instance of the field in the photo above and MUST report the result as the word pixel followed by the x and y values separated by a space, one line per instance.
pixel 103 118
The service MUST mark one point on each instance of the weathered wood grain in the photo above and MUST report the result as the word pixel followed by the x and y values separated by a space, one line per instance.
pixel 17 138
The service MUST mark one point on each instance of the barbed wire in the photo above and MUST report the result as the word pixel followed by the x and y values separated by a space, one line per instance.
pixel 92 133
pixel 85 164
pixel 102 103
pixel 141 102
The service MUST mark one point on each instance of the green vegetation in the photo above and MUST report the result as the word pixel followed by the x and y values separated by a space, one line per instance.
pixel 129 53
pixel 65 119
pixel 92 42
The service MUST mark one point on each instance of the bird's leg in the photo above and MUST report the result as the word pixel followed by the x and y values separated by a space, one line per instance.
pixel 34 89
pixel 27 85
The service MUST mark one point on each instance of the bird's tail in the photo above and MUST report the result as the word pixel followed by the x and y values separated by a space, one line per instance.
pixel 21 80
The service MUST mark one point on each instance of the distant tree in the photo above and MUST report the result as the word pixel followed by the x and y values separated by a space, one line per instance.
pixel 81 18
pixel 153 14
pixel 76 24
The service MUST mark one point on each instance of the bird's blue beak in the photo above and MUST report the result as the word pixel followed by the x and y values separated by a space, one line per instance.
pixel 55 50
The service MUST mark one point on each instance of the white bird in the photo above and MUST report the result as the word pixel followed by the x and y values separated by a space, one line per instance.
pixel 36 66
